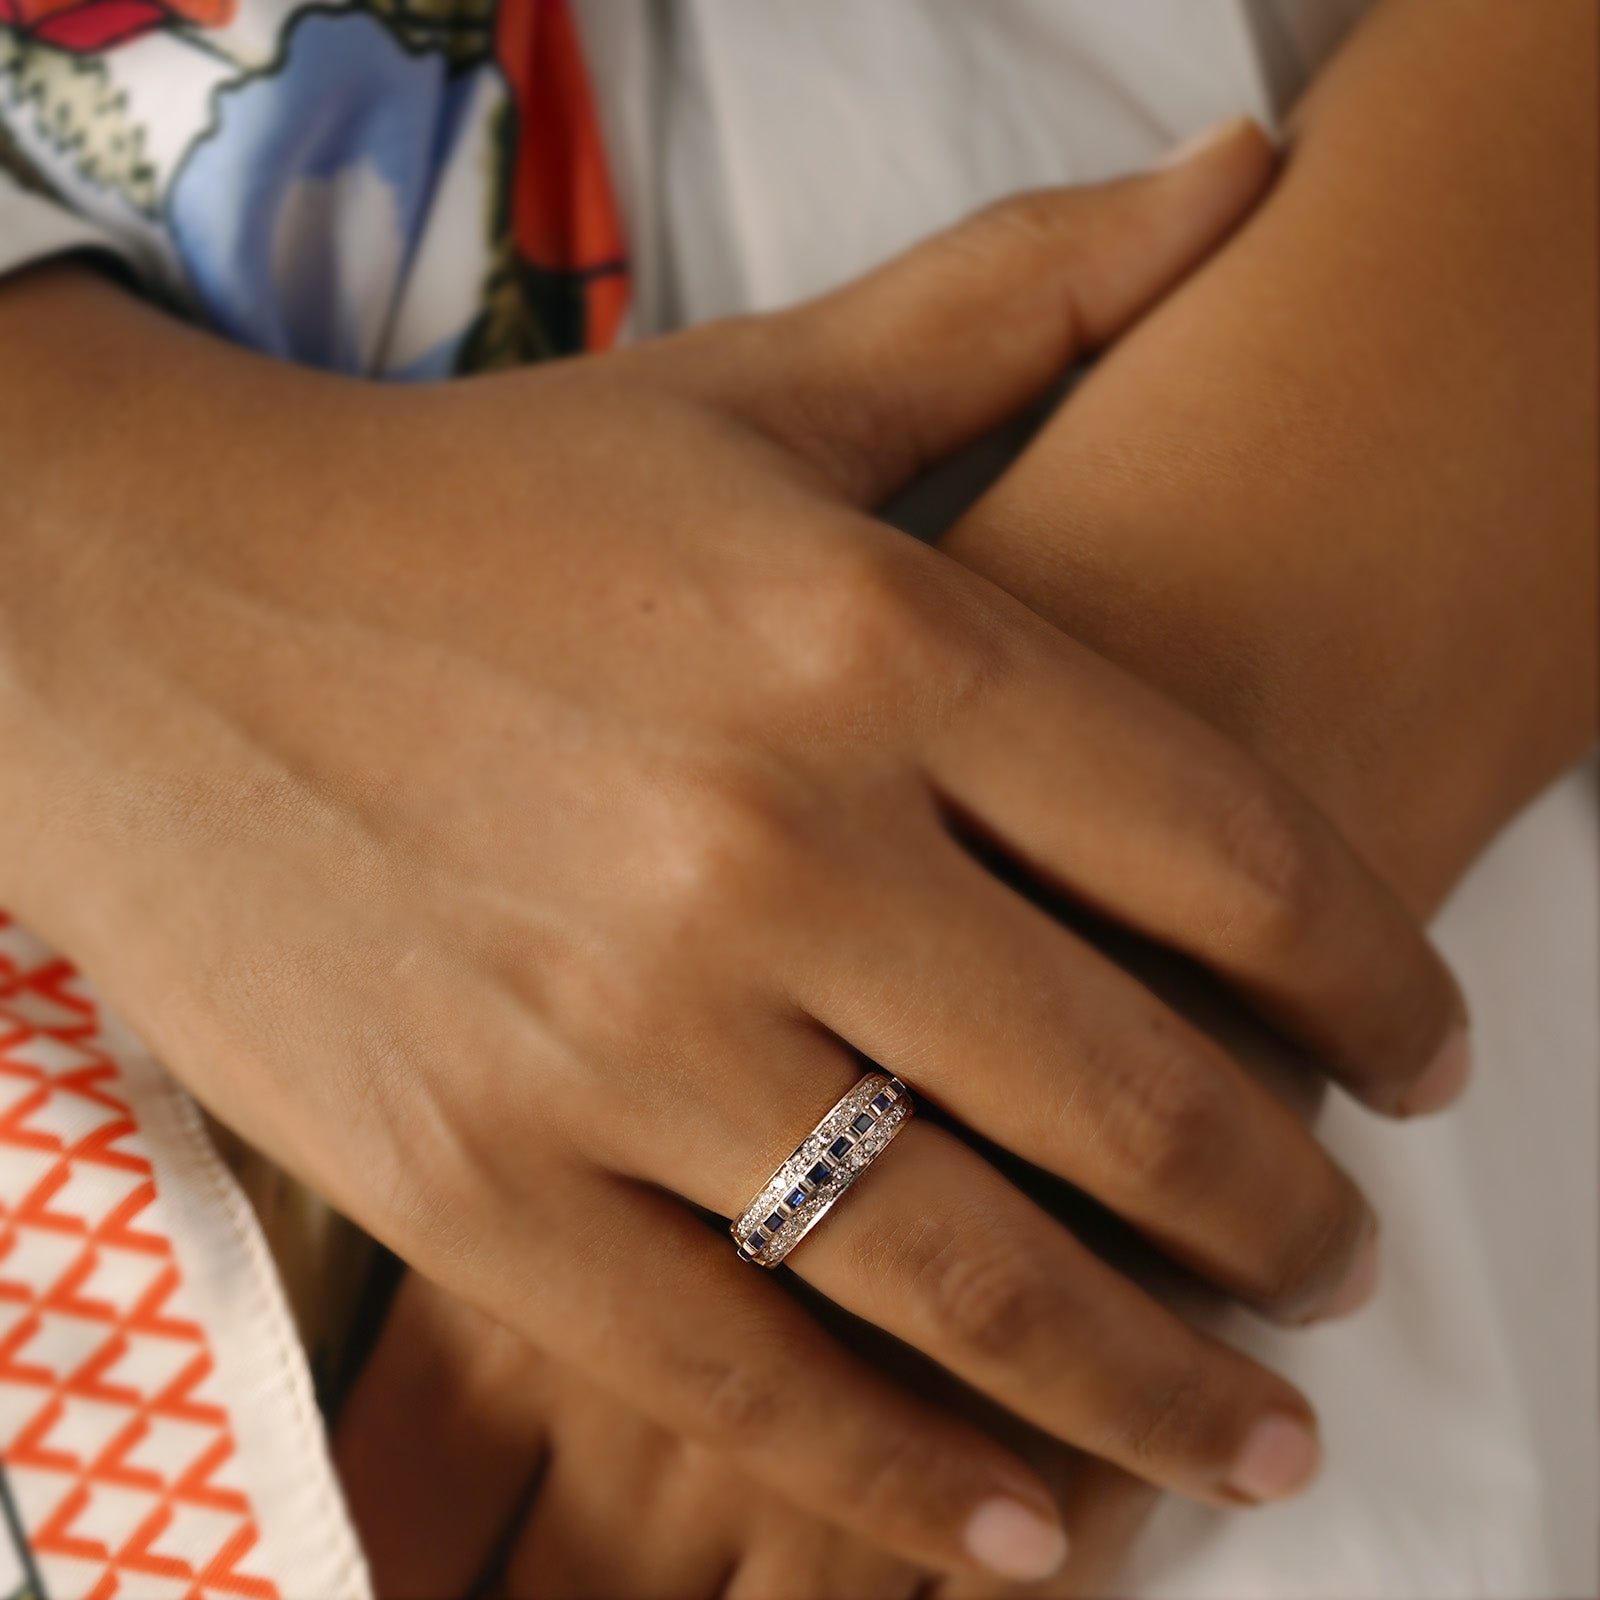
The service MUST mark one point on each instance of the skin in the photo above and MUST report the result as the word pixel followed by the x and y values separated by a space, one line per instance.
pixel 436 1491
pixel 1469 472
pixel 474 1464
pixel 1375 463
pixel 466 876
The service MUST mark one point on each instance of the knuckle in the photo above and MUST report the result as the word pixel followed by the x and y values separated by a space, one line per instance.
pixel 734 1406
pixel 729 843
pixel 1276 867
pixel 896 647
pixel 1173 1417
pixel 872 621
pixel 710 857
pixel 987 1303
pixel 1168 1115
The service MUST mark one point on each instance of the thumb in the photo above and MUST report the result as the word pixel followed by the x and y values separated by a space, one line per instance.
pixel 877 380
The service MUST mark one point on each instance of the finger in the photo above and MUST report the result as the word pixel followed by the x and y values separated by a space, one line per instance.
pixel 1104 1508
pixel 1102 1505
pixel 652 1303
pixel 940 1250
pixel 583 1547
pixel 1141 812
pixel 795 1558
pixel 439 1442
pixel 875 381
pixel 1036 1040
pixel 935 1247
pixel 627 1511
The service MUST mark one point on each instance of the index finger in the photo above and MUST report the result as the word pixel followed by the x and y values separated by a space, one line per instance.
pixel 1144 814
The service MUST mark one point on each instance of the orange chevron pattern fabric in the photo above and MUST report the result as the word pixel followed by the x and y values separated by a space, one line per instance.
pixel 115 1448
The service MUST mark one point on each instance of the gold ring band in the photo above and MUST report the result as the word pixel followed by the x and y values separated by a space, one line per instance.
pixel 825 1163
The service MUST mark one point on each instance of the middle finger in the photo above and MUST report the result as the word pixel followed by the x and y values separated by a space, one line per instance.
pixel 1014 1024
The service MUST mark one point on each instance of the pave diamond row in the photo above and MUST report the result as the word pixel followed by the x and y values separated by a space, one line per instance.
pixel 828 1160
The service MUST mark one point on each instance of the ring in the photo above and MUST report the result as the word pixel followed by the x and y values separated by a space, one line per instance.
pixel 827 1161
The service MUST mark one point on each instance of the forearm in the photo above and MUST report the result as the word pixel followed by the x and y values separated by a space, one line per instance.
pixel 1338 492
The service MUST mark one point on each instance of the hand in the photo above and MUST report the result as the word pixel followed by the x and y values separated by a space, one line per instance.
pixel 1337 493
pixel 1161 559
pixel 472 1464
pixel 516 886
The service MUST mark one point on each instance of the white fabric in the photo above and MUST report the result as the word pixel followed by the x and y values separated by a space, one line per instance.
pixel 308 1546
pixel 766 152
pixel 36 229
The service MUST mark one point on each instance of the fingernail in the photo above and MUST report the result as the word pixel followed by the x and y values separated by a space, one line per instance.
pixel 1279 1458
pixel 1207 139
pixel 1013 1541
pixel 1444 1079
pixel 1359 1283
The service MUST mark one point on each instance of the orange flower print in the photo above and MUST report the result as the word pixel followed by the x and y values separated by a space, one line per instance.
pixel 84 25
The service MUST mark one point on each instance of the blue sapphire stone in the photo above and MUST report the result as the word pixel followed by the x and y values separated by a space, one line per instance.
pixel 897 1086
pixel 795 1199
pixel 753 1243
pixel 863 1122
pixel 840 1146
pixel 881 1103
pixel 821 1173
pixel 774 1222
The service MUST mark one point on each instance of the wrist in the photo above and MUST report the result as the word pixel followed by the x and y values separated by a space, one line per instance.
pixel 1419 731
pixel 114 437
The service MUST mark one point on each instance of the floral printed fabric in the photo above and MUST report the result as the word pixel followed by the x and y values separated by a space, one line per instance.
pixel 389 188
